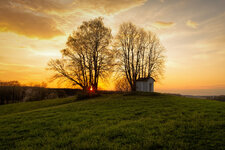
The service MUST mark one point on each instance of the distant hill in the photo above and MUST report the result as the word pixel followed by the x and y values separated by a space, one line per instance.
pixel 219 98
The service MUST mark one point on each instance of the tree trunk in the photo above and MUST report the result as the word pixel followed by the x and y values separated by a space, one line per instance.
pixel 133 88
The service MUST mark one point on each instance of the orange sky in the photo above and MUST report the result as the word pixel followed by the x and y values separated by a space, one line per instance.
pixel 192 31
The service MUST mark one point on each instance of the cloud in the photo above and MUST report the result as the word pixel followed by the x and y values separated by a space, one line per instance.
pixel 192 24
pixel 162 24
pixel 23 22
pixel 18 65
pixel 109 7
pixel 45 6
pixel 213 47
pixel 28 24
pixel 43 18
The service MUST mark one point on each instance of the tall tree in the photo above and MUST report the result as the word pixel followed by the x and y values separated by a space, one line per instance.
pixel 141 53
pixel 87 56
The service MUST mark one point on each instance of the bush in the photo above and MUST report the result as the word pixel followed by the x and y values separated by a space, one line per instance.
pixel 52 95
pixel 86 95
pixel 13 94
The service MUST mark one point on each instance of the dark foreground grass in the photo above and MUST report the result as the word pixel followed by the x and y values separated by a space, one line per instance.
pixel 115 122
pixel 27 106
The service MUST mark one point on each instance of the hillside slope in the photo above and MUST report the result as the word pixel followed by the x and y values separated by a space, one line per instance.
pixel 114 122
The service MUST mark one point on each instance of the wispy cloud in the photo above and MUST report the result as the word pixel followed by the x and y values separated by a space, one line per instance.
pixel 19 65
pixel 163 24
pixel 107 6
pixel 192 24
pixel 71 6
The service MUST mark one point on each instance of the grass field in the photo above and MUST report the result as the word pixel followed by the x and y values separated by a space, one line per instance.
pixel 114 122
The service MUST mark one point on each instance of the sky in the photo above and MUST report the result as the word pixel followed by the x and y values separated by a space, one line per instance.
pixel 192 31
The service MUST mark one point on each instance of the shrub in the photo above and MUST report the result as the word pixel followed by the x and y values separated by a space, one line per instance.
pixel 86 95
pixel 52 95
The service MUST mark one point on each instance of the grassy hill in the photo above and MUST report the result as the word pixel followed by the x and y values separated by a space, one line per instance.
pixel 114 122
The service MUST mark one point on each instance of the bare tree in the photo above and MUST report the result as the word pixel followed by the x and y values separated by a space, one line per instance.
pixel 141 53
pixel 87 56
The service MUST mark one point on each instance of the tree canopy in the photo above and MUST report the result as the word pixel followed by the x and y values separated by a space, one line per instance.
pixel 87 56
pixel 141 53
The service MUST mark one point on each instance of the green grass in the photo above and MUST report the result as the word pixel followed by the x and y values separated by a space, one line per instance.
pixel 114 122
